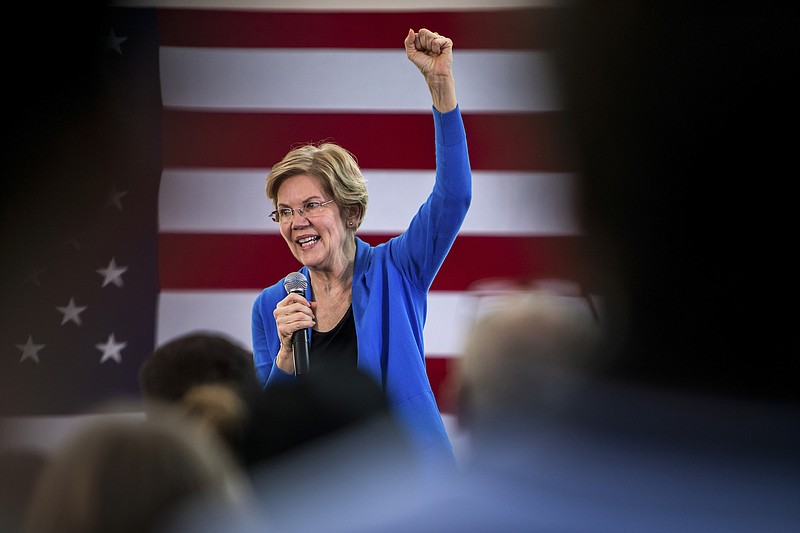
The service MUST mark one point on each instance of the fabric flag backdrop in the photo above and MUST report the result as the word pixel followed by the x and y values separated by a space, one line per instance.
pixel 80 277
pixel 238 89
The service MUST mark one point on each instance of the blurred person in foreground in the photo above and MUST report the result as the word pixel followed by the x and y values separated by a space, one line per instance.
pixel 320 452
pixel 133 476
pixel 521 358
pixel 205 375
pixel 686 418
pixel 365 306
pixel 195 358
pixel 676 111
pixel 20 469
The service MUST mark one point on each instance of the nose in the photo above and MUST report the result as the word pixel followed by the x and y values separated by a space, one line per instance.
pixel 297 216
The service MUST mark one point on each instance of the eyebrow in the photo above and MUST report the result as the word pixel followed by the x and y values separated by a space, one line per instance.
pixel 313 198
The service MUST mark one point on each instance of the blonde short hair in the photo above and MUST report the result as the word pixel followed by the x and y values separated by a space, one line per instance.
pixel 335 167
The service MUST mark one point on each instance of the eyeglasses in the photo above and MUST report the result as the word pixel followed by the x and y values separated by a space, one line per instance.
pixel 310 209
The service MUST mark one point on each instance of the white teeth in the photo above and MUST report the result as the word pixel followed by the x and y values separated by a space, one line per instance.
pixel 307 240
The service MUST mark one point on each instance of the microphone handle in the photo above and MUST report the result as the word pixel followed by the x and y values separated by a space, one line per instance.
pixel 300 349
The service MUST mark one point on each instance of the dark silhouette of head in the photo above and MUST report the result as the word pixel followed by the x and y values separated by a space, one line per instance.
pixel 198 358
pixel 676 113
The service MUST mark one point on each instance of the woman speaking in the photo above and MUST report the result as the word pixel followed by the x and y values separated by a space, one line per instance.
pixel 364 305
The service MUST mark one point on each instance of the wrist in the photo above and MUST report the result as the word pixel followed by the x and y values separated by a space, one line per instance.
pixel 443 94
pixel 285 358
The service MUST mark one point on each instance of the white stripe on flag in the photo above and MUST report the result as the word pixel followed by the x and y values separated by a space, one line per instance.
pixel 310 80
pixel 179 312
pixel 504 203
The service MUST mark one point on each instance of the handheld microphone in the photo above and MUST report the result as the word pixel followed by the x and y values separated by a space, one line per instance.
pixel 297 283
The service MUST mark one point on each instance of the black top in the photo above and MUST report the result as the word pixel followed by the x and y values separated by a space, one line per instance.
pixel 336 347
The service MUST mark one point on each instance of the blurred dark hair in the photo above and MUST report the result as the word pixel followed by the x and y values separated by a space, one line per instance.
pixel 198 358
pixel 679 112
pixel 292 417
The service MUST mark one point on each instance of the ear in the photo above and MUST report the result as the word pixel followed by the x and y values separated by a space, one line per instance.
pixel 353 215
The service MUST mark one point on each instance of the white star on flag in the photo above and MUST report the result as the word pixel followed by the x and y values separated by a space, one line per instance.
pixel 188 152
pixel 114 41
pixel 114 198
pixel 30 350
pixel 111 349
pixel 112 273
pixel 71 312
pixel 104 221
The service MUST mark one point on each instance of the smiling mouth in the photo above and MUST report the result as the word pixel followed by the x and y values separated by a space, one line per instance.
pixel 305 242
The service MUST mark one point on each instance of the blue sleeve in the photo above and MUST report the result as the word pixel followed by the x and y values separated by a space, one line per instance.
pixel 265 338
pixel 420 251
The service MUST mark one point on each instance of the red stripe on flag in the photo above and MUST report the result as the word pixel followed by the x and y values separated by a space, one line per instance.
pixel 519 141
pixel 191 261
pixel 530 28
pixel 439 371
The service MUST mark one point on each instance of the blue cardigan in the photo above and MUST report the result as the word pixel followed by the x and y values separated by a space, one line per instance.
pixel 390 288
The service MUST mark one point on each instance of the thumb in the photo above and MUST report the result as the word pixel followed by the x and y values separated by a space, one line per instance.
pixel 409 42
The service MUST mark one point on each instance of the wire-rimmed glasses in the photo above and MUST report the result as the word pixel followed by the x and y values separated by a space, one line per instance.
pixel 309 210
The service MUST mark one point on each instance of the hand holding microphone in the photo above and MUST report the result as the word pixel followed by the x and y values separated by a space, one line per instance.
pixel 296 283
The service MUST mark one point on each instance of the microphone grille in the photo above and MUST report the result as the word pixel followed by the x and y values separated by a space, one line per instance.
pixel 295 282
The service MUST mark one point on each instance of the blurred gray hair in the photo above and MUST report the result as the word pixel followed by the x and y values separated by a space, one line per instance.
pixel 527 354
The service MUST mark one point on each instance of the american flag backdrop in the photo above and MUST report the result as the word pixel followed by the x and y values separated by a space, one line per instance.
pixel 171 234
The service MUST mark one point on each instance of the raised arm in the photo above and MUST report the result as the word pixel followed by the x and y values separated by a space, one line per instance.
pixel 433 56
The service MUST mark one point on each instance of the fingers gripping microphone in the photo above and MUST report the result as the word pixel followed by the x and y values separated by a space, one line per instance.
pixel 297 283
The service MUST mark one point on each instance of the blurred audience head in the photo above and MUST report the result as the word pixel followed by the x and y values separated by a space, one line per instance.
pixel 198 358
pixel 133 476
pixel 321 453
pixel 521 356
pixel 218 408
pixel 206 376
pixel 20 468
pixel 292 418
pixel 676 112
